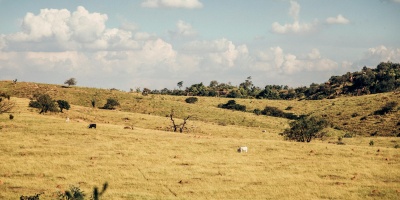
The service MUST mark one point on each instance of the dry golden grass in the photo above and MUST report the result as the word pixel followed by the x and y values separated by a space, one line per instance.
pixel 43 153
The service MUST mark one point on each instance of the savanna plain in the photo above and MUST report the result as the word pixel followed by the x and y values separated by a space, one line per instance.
pixel 134 150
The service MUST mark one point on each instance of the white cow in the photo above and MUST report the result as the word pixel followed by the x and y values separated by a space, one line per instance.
pixel 242 149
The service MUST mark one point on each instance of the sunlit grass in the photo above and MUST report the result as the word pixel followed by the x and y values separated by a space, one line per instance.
pixel 44 153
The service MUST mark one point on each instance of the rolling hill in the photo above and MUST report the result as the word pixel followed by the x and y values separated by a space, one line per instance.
pixel 42 153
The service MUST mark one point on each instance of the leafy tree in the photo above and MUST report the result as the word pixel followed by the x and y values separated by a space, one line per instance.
pixel 62 104
pixel 146 91
pixel 180 84
pixel 111 104
pixel 213 84
pixel 71 81
pixel 305 129
pixel 45 103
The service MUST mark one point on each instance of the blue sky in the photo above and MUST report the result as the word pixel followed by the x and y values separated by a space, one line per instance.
pixel 157 43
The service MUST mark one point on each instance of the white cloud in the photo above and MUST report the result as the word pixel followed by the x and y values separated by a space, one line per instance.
pixel 375 55
pixel 294 10
pixel 183 29
pixel 189 4
pixel 275 58
pixel 394 1
pixel 296 26
pixel 337 20
pixel 220 53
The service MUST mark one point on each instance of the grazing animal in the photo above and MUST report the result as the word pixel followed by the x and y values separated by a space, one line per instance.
pixel 242 149
pixel 92 125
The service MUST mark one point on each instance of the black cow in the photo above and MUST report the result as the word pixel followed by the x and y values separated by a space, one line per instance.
pixel 92 125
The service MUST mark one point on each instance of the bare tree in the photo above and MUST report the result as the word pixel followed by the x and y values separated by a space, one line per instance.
pixel 6 105
pixel 176 126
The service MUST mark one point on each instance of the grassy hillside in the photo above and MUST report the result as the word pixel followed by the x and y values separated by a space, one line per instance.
pixel 44 153
pixel 352 115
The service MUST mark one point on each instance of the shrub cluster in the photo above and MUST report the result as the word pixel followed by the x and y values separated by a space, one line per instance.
pixel 111 104
pixel 232 105
pixel 191 100
pixel 45 103
pixel 389 107
pixel 276 112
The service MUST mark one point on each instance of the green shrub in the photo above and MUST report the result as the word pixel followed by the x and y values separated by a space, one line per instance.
pixel 257 111
pixel 347 135
pixel 276 112
pixel 62 104
pixel 371 143
pixel 35 104
pixel 232 105
pixel 111 104
pixel 396 146
pixel 11 117
pixel 191 100
pixel 389 107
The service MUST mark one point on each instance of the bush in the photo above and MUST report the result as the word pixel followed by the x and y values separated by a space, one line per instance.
pixel 63 105
pixel 232 105
pixel 289 108
pixel 363 118
pixel 305 129
pixel 276 112
pixel 389 107
pixel 371 143
pixel 354 115
pixel 347 135
pixel 257 111
pixel 75 193
pixel 340 141
pixel 34 104
pixel 111 104
pixel 396 146
pixel 191 100
pixel 11 117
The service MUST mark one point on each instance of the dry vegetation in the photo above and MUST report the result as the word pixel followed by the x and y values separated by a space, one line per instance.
pixel 44 153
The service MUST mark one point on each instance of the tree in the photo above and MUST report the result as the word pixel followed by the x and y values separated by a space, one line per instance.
pixel 146 91
pixel 180 84
pixel 305 129
pixel 44 103
pixel 71 81
pixel 6 105
pixel 63 105
pixel 176 126
pixel 111 104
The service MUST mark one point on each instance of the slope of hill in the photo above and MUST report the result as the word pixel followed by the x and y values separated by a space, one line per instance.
pixel 45 154
pixel 353 115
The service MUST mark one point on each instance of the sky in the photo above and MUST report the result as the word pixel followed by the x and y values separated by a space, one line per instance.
pixel 155 44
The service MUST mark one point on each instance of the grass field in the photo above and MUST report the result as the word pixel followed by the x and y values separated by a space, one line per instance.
pixel 44 153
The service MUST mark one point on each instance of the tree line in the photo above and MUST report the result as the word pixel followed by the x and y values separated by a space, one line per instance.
pixel 384 78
